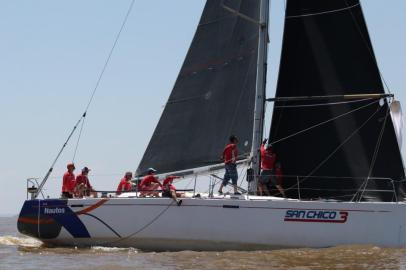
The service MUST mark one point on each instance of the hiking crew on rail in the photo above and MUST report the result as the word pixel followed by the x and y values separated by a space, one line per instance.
pixel 270 175
pixel 125 183
pixel 149 184
pixel 68 181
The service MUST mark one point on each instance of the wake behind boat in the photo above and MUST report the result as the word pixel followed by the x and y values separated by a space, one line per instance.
pixel 332 131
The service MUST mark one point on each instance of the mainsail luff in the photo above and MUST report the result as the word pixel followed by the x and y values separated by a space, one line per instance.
pixel 327 51
pixel 214 93
pixel 259 109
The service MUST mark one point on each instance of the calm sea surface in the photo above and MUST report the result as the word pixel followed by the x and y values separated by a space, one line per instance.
pixel 19 252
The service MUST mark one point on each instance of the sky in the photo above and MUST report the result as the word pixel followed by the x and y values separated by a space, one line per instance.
pixel 51 55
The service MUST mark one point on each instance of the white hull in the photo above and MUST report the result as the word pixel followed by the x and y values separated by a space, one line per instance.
pixel 224 223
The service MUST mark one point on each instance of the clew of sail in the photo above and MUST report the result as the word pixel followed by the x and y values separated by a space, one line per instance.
pixel 214 93
pixel 327 51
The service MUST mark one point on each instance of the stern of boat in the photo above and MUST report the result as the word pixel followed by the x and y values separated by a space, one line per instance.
pixel 33 222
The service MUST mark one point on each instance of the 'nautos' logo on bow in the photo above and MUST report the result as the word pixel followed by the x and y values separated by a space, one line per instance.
pixel 54 211
pixel 325 216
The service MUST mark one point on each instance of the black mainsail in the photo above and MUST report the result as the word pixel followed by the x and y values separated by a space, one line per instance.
pixel 214 93
pixel 327 51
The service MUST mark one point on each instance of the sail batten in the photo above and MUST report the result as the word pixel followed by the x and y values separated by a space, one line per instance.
pixel 325 12
pixel 214 93
pixel 327 53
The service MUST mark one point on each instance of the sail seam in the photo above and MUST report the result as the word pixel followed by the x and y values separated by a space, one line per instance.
pixel 217 20
pixel 212 64
pixel 322 13
pixel 238 13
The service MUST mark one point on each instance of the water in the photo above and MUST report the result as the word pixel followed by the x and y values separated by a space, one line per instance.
pixel 20 252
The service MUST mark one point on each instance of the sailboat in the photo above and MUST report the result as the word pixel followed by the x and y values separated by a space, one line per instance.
pixel 333 129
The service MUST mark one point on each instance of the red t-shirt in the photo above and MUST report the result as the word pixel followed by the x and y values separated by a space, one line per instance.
pixel 168 182
pixel 267 158
pixel 83 179
pixel 230 153
pixel 68 182
pixel 148 180
pixel 123 186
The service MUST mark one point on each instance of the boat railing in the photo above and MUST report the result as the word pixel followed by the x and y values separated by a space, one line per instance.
pixel 135 193
pixel 295 186
pixel 348 189
pixel 299 186
pixel 32 188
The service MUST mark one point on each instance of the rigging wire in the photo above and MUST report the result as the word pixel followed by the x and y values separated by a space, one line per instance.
pixel 335 150
pixel 145 226
pixel 375 156
pixel 41 185
pixel 110 53
pixel 106 63
pixel 322 123
pixel 78 140
pixel 81 119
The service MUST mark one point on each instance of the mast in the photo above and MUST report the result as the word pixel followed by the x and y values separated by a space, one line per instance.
pixel 260 93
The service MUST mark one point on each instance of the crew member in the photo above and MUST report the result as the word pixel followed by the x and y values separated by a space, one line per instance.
pixel 68 182
pixel 268 158
pixel 149 184
pixel 83 186
pixel 125 183
pixel 230 155
pixel 169 190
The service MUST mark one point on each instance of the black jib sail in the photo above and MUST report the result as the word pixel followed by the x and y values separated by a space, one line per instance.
pixel 213 96
pixel 333 148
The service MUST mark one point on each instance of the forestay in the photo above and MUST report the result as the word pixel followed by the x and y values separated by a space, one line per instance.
pixel 213 96
pixel 327 51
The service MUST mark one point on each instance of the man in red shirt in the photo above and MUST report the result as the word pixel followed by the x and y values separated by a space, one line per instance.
pixel 230 155
pixel 82 185
pixel 68 182
pixel 169 190
pixel 125 183
pixel 268 158
pixel 149 184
